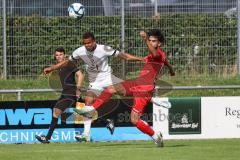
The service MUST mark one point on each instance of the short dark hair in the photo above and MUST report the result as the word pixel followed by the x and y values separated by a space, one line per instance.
pixel 157 33
pixel 60 49
pixel 87 35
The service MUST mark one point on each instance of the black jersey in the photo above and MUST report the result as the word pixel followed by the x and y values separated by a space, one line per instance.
pixel 67 78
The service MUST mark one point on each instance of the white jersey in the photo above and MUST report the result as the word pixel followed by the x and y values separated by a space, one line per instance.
pixel 96 61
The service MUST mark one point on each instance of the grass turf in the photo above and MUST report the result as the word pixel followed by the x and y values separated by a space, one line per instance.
pixel 223 149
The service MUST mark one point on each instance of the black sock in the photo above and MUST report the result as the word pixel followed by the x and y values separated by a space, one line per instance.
pixel 52 127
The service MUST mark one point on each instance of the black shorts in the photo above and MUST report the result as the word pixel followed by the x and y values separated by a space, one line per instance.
pixel 65 101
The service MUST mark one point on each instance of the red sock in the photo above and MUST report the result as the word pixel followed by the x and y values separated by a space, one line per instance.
pixel 144 127
pixel 104 97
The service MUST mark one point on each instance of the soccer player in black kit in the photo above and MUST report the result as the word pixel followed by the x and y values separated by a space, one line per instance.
pixel 71 78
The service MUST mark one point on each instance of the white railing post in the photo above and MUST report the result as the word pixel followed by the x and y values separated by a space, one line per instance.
pixel 19 98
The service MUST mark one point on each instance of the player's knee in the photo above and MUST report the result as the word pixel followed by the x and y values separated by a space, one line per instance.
pixel 111 89
pixel 88 101
pixel 134 121
pixel 118 88
pixel 57 113
pixel 135 116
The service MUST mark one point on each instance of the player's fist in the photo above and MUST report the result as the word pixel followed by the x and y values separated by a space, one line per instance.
pixel 143 35
pixel 172 73
pixel 47 70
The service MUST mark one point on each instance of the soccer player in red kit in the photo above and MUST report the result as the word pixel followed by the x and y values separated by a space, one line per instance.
pixel 141 88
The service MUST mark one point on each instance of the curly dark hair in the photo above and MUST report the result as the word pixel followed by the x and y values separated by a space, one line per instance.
pixel 157 33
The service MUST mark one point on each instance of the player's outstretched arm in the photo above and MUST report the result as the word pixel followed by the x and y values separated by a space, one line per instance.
pixel 55 67
pixel 79 82
pixel 79 79
pixel 130 57
pixel 146 40
pixel 170 67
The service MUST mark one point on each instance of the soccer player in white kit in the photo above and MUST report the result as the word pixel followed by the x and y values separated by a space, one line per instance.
pixel 99 72
pixel 95 56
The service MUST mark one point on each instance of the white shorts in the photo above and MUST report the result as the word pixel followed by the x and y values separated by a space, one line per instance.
pixel 103 82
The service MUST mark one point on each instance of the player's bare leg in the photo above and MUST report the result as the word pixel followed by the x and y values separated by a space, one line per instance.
pixel 89 99
pixel 85 136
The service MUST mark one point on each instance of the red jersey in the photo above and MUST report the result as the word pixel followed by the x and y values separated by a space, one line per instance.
pixel 145 81
pixel 152 67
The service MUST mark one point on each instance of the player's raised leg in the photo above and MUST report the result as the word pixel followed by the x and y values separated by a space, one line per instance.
pixel 103 98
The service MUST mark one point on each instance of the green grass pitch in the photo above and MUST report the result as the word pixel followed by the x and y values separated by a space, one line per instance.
pixel 223 149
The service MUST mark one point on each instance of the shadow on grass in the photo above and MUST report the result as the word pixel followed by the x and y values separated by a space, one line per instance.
pixel 178 145
pixel 135 145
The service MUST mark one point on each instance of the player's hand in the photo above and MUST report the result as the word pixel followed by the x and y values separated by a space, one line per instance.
pixel 145 59
pixel 172 73
pixel 47 70
pixel 143 35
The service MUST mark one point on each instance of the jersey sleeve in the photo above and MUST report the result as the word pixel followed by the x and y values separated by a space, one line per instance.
pixel 110 51
pixel 74 56
pixel 162 57
pixel 73 67
pixel 166 62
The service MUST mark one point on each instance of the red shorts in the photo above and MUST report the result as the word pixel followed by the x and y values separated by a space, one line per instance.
pixel 142 94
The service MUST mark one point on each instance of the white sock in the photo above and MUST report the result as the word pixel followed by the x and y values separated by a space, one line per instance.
pixel 87 126
pixel 89 108
pixel 155 136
